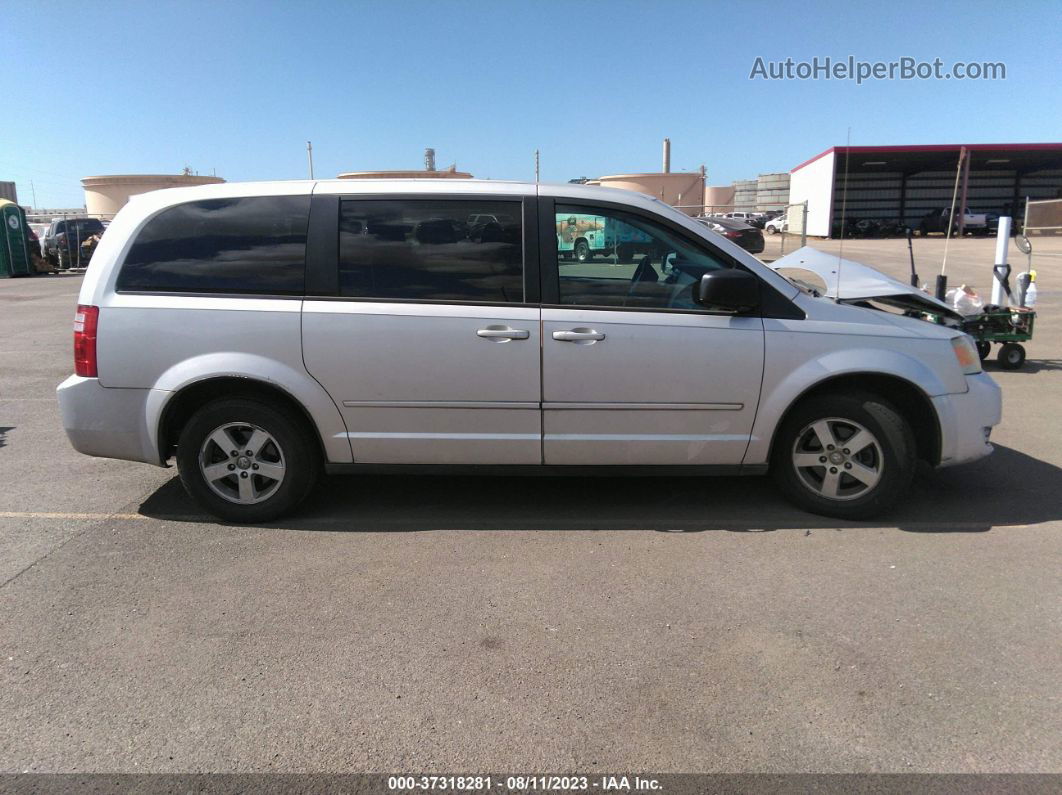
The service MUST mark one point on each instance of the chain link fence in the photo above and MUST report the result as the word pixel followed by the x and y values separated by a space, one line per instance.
pixel 1043 216
pixel 794 225
pixel 73 248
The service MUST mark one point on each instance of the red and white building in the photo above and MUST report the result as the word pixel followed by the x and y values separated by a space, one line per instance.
pixel 906 182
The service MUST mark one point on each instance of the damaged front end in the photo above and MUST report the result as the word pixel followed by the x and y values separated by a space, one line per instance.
pixel 849 282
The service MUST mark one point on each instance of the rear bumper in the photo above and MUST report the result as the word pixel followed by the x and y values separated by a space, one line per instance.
pixel 967 418
pixel 108 422
pixel 753 245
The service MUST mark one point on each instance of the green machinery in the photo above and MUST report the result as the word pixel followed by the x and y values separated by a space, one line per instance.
pixel 1009 328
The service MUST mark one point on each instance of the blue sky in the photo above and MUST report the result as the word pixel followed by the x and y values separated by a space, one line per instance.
pixel 238 87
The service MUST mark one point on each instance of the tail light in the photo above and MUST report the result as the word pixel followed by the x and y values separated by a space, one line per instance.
pixel 86 321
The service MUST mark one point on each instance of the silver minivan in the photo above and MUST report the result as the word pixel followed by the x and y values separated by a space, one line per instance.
pixel 259 333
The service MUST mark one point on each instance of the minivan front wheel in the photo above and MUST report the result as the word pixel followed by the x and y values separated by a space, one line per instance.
pixel 846 456
pixel 246 461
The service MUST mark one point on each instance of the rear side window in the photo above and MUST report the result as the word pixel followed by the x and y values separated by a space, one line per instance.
pixel 254 244
pixel 431 250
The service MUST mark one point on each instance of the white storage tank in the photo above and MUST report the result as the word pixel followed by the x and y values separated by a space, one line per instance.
pixel 106 195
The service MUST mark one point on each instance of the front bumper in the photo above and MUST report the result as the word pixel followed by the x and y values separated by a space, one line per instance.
pixel 108 422
pixel 966 420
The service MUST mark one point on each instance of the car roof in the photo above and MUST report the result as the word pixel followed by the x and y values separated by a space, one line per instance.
pixel 448 187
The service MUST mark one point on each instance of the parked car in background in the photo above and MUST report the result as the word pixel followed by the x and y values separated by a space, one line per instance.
pixel 936 220
pixel 259 333
pixel 745 235
pixel 776 225
pixel 62 244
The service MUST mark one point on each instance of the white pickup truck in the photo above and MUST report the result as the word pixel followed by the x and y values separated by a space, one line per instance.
pixel 937 221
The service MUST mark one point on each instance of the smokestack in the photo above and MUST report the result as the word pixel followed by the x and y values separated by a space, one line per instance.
pixel 429 159
pixel 667 155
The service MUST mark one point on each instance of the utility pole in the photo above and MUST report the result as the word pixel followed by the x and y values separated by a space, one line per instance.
pixel 34 192
pixel 536 166
pixel 965 184
pixel 309 156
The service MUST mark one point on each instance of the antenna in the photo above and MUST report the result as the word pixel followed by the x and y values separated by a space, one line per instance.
pixel 942 279
pixel 309 157
pixel 536 166
pixel 844 210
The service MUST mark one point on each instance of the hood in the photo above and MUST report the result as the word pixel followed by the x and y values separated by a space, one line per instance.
pixel 861 282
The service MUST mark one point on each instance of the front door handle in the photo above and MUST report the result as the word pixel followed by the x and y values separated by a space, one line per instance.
pixel 502 333
pixel 578 335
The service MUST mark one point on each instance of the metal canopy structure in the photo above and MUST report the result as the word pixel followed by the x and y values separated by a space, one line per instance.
pixel 903 183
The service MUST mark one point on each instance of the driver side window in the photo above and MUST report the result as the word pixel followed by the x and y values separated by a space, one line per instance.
pixel 608 258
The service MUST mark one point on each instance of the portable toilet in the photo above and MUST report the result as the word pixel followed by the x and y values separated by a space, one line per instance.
pixel 14 243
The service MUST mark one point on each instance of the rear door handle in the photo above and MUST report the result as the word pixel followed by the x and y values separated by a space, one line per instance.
pixel 578 335
pixel 502 333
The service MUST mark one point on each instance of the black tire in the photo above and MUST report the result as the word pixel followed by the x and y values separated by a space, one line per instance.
pixel 624 252
pixel 984 349
pixel 895 455
pixel 292 437
pixel 1011 356
pixel 582 251
pixel 771 230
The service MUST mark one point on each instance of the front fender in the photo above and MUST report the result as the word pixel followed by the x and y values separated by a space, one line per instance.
pixel 784 383
pixel 299 385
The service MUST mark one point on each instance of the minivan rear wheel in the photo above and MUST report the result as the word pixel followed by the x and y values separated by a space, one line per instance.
pixel 846 456
pixel 246 461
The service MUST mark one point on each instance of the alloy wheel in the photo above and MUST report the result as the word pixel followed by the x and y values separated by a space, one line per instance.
pixel 242 463
pixel 838 459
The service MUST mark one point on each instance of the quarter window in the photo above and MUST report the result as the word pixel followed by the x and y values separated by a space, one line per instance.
pixel 613 259
pixel 431 250
pixel 242 245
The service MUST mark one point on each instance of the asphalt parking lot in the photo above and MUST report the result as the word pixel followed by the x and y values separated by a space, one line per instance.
pixel 537 625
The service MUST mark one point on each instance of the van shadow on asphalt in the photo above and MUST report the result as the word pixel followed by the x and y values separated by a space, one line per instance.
pixel 1030 366
pixel 1008 488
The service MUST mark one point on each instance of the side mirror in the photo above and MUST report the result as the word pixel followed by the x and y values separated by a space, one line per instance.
pixel 730 290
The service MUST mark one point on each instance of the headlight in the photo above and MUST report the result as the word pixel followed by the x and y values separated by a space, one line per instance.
pixel 966 353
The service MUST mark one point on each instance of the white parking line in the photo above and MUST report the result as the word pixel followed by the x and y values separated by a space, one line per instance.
pixel 387 526
pixel 99 517
pixel 54 515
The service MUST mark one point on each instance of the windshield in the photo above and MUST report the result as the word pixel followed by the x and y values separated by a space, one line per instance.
pixel 808 282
